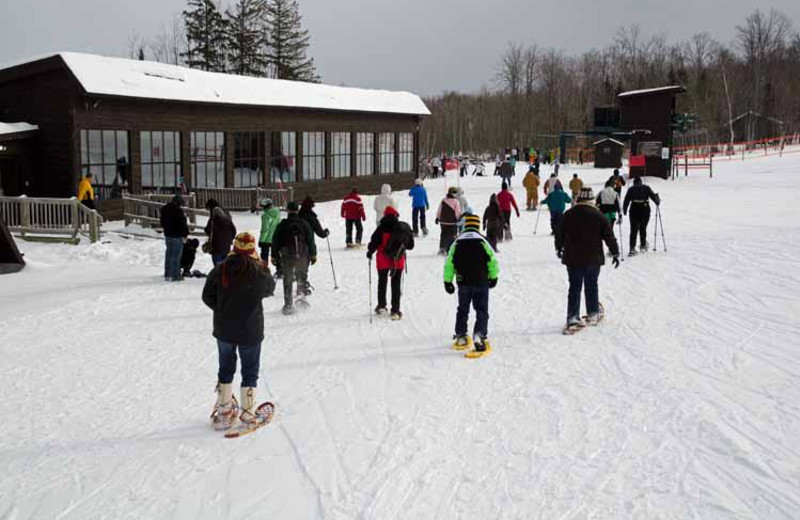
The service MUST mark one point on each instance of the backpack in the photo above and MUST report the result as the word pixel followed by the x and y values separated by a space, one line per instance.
pixel 295 245
pixel 399 241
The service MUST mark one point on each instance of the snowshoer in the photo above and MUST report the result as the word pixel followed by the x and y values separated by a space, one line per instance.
pixel 353 214
pixel 390 241
pixel 270 217
pixel 436 164
pixel 575 186
pixel 557 203
pixel 506 200
pixel 579 244
pixel 188 254
pixel 531 184
pixel 173 222
pixel 447 217
pixel 86 191
pixel 383 201
pixel 618 180
pixel 608 202
pixel 220 230
pixel 471 261
pixel 506 172
pixel 419 205
pixel 293 249
pixel 307 213
pixel 493 221
pixel 234 290
pixel 637 198
pixel 551 183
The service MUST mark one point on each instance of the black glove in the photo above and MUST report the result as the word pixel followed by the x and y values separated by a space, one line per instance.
pixel 437 221
pixel 615 261
pixel 326 232
pixel 620 219
pixel 560 253
pixel 313 260
pixel 369 255
pixel 492 283
pixel 449 287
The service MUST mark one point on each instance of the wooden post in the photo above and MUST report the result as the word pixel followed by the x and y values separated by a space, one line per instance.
pixel 94 234
pixel 353 153
pixel 76 216
pixel 25 213
pixel 711 166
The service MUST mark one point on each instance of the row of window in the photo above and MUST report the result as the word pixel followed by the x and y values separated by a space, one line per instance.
pixel 106 154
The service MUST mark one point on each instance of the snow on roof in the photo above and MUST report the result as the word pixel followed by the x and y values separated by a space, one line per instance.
pixel 16 128
pixel 609 139
pixel 673 88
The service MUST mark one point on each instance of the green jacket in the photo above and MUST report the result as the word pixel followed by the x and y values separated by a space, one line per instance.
pixel 269 221
pixel 471 261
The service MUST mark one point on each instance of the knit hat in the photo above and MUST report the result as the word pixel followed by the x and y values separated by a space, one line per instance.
pixel 292 207
pixel 390 211
pixel 418 182
pixel 586 194
pixel 245 244
pixel 504 186
pixel 453 190
pixel 266 203
pixel 472 223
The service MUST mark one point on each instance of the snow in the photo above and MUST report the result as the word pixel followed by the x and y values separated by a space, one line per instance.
pixel 684 403
pixel 101 75
pixel 16 128
pixel 609 139
pixel 673 88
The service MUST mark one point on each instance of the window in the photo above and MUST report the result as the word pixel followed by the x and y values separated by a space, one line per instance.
pixel 283 161
pixel 340 154
pixel 365 154
pixel 161 159
pixel 105 154
pixel 208 159
pixel 248 159
pixel 313 156
pixel 386 153
pixel 406 152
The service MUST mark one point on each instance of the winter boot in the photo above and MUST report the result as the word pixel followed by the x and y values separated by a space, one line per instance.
pixel 224 414
pixel 425 231
pixel 397 315
pixel 287 310
pixel 462 343
pixel 380 310
pixel 248 395
pixel 482 347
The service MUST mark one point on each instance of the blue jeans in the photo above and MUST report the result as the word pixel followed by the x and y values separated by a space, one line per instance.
pixel 478 296
pixel 582 277
pixel 172 258
pixel 418 219
pixel 218 259
pixel 251 362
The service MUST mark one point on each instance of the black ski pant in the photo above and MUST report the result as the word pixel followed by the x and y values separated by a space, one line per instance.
pixel 447 237
pixel 349 229
pixel 640 216
pixel 383 280
pixel 294 269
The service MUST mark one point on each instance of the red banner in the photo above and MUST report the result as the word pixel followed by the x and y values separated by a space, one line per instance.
pixel 637 160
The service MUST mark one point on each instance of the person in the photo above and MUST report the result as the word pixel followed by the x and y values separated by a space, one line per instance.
pixel 419 205
pixel 637 198
pixel 436 164
pixel 234 290
pixel 353 214
pixel 447 217
pixel 575 186
pixel 493 222
pixel 279 166
pixel 512 161
pixel 173 222
pixel 556 202
pixel 383 201
pixel 462 170
pixel 293 249
pixel 220 230
pixel 618 181
pixel 506 172
pixel 608 203
pixel 506 200
pixel 579 245
pixel 479 170
pixel 462 199
pixel 270 217
pixel 390 241
pixel 188 255
pixel 472 263
pixel 307 213
pixel 86 191
pixel 531 184
pixel 551 183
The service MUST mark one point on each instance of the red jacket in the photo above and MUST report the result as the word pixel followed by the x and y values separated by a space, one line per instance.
pixel 382 261
pixel 506 199
pixel 353 208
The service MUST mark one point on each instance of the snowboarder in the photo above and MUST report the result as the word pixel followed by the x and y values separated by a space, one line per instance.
pixel 86 191
pixel 390 241
pixel 557 203
pixel 383 201
pixel 506 200
pixel 353 213
pixel 637 198
pixel 618 180
pixel 531 184
pixel 575 186
pixel 608 203
pixel 220 230
pixel 419 205
pixel 270 217
pixel 173 222
pixel 234 290
pixel 579 245
pixel 472 263
pixel 293 249
pixel 493 222
pixel 447 217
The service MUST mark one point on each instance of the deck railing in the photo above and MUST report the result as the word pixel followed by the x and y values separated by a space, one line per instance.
pixel 243 199
pixel 145 210
pixel 50 216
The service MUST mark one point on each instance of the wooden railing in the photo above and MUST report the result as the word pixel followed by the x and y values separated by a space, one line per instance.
pixel 145 210
pixel 243 199
pixel 50 216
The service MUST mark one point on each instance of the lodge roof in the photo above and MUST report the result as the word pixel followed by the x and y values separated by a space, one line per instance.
pixel 674 89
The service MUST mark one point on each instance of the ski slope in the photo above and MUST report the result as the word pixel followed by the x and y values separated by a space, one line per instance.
pixel 683 404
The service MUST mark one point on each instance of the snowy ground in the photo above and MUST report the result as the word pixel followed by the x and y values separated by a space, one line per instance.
pixel 684 403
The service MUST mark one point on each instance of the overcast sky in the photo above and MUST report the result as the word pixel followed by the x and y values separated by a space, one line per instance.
pixel 425 46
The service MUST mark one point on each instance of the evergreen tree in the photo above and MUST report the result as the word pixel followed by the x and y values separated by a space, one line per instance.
pixel 246 38
pixel 205 36
pixel 287 42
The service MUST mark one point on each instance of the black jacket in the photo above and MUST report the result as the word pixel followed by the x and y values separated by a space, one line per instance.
pixel 506 170
pixel 309 216
pixel 283 241
pixel 493 220
pixel 472 260
pixel 173 220
pixel 581 235
pixel 639 196
pixel 222 231
pixel 238 313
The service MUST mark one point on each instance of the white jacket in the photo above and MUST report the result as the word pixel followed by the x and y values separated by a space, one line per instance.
pixel 383 201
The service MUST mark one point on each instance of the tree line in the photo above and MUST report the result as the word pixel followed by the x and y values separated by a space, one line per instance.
pixel 747 89
pixel 261 38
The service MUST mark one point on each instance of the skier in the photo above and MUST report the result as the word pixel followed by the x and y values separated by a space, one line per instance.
pixel 293 249
pixel 270 217
pixel 307 213
pixel 472 263
pixel 506 172
pixel 390 241
pixel 86 191
pixel 637 198
pixel 506 200
pixel 575 186
pixel 447 217
pixel 220 230
pixel 608 203
pixel 618 181
pixel 557 203
pixel 419 205
pixel 234 290
pixel 383 201
pixel 579 244
pixel 493 222
pixel 531 184
pixel 173 222
pixel 353 213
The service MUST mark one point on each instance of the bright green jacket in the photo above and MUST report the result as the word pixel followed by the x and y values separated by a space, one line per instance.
pixel 269 221
pixel 470 247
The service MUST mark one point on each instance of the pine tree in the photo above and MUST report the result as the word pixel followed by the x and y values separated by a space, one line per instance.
pixel 287 42
pixel 205 36
pixel 246 38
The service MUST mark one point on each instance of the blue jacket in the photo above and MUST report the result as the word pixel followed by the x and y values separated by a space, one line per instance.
pixel 419 197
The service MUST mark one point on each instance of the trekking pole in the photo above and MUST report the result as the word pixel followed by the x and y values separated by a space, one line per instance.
pixel 655 231
pixel 621 240
pixel 661 223
pixel 333 270
pixel 369 261
pixel 538 212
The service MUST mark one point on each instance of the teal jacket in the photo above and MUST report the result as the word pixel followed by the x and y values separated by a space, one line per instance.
pixel 269 221
pixel 557 200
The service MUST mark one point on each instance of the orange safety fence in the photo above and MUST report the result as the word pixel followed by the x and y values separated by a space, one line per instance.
pixel 778 145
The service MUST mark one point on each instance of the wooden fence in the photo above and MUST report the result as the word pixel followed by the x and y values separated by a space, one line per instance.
pixel 145 210
pixel 243 199
pixel 31 216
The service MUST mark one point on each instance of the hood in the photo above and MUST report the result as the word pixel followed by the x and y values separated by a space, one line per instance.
pixel 307 205
pixel 386 189
pixel 390 211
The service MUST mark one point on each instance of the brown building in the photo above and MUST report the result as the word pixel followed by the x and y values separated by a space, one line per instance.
pixel 146 127
pixel 608 153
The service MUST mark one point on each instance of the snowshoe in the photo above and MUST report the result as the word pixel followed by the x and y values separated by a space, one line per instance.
pixel 288 310
pixel 573 325
pixel 226 410
pixel 462 343
pixel 593 320
pixel 380 311
pixel 397 316
pixel 482 348
pixel 301 304
pixel 263 415
pixel 632 252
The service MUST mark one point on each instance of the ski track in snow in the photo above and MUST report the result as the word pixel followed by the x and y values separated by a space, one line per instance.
pixel 684 403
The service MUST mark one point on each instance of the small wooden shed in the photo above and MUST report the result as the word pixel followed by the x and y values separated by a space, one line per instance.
pixel 608 153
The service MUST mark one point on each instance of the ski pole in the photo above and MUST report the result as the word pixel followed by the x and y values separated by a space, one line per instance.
pixel 538 212
pixel 655 231
pixel 661 221
pixel 621 240
pixel 333 270
pixel 369 261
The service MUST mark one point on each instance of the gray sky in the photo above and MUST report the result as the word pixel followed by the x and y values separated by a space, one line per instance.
pixel 425 46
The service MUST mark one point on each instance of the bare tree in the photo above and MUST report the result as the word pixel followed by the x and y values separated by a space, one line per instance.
pixel 511 69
